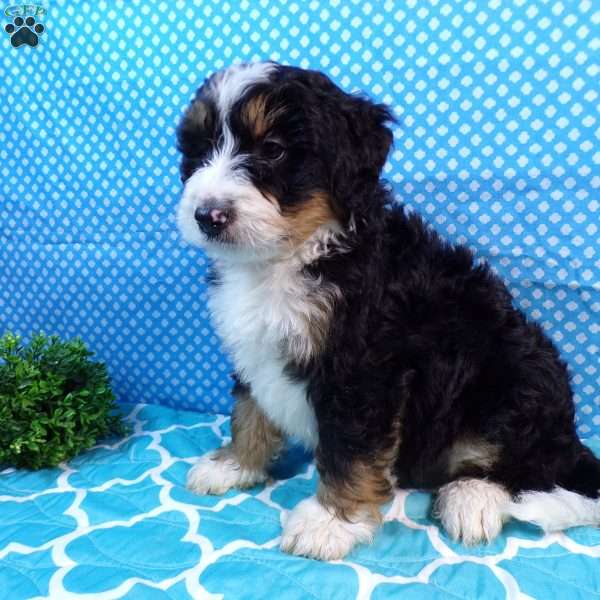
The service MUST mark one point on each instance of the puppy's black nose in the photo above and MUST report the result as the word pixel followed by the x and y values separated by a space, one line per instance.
pixel 211 220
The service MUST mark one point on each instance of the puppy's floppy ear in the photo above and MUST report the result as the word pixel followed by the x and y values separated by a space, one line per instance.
pixel 352 134
pixel 363 141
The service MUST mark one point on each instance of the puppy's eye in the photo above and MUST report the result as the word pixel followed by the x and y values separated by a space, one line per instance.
pixel 272 150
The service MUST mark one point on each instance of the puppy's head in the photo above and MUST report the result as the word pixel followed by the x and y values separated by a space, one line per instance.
pixel 272 153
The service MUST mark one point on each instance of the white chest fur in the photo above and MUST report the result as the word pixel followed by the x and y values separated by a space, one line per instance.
pixel 257 311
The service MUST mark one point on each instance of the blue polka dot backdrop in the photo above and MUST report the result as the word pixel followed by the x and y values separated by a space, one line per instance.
pixel 496 145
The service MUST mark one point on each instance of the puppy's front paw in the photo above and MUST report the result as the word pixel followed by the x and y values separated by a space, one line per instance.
pixel 219 471
pixel 313 530
pixel 472 510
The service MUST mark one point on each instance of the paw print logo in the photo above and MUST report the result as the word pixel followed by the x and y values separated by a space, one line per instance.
pixel 24 31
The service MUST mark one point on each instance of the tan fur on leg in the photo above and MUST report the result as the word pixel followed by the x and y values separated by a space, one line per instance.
pixel 255 440
pixel 364 492
pixel 327 526
pixel 243 463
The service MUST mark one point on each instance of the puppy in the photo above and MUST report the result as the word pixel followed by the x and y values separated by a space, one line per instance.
pixel 355 329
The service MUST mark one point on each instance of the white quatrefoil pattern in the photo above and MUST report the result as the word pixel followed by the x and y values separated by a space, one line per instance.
pixel 117 522
pixel 497 145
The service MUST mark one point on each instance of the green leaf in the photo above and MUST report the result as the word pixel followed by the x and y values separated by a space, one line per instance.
pixel 54 401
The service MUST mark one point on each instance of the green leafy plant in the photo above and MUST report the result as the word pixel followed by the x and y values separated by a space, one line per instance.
pixel 54 401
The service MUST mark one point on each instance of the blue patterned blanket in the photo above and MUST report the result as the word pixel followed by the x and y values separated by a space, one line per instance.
pixel 117 522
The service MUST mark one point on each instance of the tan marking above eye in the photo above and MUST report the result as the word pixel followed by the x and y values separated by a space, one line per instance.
pixel 198 113
pixel 255 115
pixel 258 117
pixel 306 217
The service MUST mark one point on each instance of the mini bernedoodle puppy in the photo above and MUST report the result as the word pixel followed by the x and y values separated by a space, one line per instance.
pixel 357 330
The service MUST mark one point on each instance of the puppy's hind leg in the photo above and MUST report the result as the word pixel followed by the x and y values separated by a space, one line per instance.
pixel 243 463
pixel 472 510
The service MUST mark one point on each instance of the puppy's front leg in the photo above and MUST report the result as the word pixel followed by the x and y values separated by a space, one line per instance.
pixel 243 463
pixel 344 512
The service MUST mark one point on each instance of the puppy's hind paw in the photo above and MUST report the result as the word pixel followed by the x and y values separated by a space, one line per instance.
pixel 472 510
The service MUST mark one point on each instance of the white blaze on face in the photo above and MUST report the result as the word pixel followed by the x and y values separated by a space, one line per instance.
pixel 224 183
pixel 229 85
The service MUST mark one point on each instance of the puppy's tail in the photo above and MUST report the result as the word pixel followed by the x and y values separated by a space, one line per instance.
pixel 575 504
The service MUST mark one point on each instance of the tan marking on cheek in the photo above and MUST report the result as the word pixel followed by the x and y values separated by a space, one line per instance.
pixel 303 220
